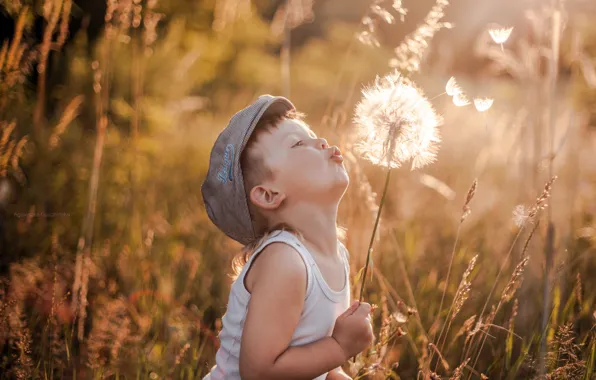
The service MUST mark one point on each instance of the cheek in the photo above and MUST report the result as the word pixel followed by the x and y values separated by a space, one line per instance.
pixel 304 172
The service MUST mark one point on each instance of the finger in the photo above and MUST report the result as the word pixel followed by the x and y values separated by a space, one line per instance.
pixel 363 309
pixel 351 309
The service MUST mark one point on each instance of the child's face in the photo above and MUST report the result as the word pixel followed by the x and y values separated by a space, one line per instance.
pixel 304 167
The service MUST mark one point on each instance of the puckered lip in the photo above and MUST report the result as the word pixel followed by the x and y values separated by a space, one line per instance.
pixel 336 154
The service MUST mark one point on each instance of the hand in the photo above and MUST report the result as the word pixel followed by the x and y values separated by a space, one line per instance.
pixel 337 374
pixel 353 329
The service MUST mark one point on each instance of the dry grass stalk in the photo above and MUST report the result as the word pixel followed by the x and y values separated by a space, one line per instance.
pixel 63 32
pixel 464 288
pixel 110 325
pixel 410 52
pixel 11 151
pixel 377 13
pixel 82 311
pixel 515 281
pixel 3 54
pixel 578 290
pixel 20 338
pixel 568 371
pixel 13 57
pixel 466 211
pixel 564 355
pixel 513 314
pixel 150 21
pixel 441 358
pixel 464 329
pixel 457 374
pixel 460 298
pixel 469 196
pixel 541 200
pixel 15 64
pixel 511 327
pixel 539 205
pixel 52 12
pixel 70 113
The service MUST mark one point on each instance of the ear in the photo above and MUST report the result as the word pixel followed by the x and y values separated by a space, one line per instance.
pixel 266 197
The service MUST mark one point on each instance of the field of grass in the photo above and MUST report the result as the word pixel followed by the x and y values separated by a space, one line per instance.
pixel 483 264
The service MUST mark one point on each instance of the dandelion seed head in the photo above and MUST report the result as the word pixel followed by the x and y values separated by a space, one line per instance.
pixel 395 123
pixel 520 215
pixel 500 35
pixel 483 104
pixel 460 99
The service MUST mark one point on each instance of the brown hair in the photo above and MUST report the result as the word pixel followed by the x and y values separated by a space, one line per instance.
pixel 254 171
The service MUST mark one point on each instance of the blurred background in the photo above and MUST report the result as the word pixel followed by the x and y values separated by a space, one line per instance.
pixel 110 267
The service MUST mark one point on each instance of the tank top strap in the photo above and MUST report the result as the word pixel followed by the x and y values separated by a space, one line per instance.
pixel 345 256
pixel 281 236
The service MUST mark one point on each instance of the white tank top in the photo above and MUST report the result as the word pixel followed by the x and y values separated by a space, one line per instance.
pixel 322 306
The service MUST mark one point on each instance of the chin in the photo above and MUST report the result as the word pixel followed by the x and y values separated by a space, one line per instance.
pixel 342 182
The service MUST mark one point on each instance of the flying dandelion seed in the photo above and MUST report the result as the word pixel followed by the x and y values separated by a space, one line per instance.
pixel 483 104
pixel 520 215
pixel 452 88
pixel 399 317
pixel 500 35
pixel 460 99
pixel 396 124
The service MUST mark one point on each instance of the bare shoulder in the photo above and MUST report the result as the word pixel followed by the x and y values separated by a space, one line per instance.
pixel 278 264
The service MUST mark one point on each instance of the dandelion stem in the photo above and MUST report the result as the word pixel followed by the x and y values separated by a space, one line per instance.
pixel 372 238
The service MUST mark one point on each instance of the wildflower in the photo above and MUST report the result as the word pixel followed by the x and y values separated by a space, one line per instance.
pixel 396 124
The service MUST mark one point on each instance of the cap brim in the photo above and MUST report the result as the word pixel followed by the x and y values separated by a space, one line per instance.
pixel 278 104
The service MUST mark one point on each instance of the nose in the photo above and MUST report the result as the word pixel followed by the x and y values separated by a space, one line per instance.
pixel 323 143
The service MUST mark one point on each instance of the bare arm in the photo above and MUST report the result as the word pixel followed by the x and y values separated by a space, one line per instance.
pixel 277 299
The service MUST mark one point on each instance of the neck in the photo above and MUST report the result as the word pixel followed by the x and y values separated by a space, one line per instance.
pixel 318 225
